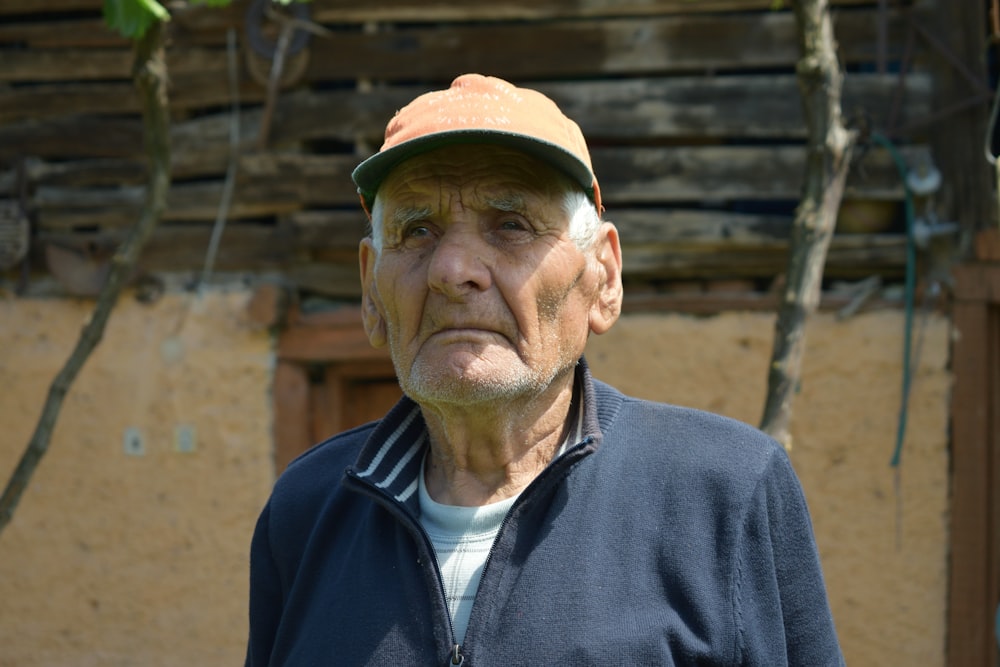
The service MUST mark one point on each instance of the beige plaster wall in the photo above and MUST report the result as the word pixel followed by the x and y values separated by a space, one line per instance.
pixel 121 559
pixel 118 559
pixel 882 533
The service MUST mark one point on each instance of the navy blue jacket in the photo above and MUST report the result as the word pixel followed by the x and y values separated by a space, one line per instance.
pixel 668 536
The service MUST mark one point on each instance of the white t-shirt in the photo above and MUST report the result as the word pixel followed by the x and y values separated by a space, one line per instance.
pixel 463 536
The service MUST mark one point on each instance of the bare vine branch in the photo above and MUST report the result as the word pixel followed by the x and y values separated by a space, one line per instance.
pixel 149 75
pixel 829 146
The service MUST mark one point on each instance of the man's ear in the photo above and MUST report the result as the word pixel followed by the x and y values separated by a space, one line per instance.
pixel 607 304
pixel 371 304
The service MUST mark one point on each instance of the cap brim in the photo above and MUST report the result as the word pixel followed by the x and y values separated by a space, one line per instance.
pixel 368 175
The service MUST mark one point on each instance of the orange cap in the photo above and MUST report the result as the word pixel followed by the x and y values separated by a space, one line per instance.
pixel 480 109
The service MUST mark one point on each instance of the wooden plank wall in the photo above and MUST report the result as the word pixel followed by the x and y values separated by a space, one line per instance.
pixel 691 109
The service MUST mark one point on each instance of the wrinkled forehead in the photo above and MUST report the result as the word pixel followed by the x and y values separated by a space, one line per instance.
pixel 476 175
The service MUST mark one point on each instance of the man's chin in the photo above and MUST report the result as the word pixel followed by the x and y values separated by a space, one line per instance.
pixel 468 386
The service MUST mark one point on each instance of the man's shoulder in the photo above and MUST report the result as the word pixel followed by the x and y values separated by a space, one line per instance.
pixel 681 455
pixel 687 434
pixel 320 468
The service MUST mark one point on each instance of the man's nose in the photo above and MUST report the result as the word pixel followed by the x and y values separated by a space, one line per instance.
pixel 458 264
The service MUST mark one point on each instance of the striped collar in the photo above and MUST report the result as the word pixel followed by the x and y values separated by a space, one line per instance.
pixel 391 458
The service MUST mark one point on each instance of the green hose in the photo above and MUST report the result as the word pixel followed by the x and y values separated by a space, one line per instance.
pixel 908 295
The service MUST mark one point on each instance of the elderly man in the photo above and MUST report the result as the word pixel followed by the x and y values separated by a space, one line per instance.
pixel 511 509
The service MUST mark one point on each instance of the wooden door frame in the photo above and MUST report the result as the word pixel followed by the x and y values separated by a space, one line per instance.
pixel 974 568
pixel 331 343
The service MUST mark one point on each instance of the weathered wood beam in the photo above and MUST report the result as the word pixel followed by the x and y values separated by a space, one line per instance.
pixel 317 250
pixel 191 25
pixel 38 102
pixel 582 48
pixel 574 48
pixel 418 11
pixel 200 146
pixel 973 585
pixel 44 118
pixel 346 11
pixel 14 7
pixel 853 257
pixel 714 173
pixel 61 34
pixel 81 64
pixel 707 302
pixel 270 184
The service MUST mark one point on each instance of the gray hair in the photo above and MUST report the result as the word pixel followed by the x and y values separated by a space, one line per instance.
pixel 584 220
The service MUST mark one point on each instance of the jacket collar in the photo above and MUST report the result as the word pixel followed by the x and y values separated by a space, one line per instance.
pixel 391 458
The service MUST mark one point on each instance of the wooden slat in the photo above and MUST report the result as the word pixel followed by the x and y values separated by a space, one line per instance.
pixel 340 281
pixel 330 233
pixel 627 110
pixel 703 300
pixel 243 247
pixel 71 137
pixel 205 26
pixel 969 612
pixel 633 109
pixel 65 64
pixel 310 343
pixel 38 65
pixel 61 34
pixel 190 25
pixel 337 11
pixel 987 245
pixel 14 7
pixel 290 389
pixel 848 258
pixel 325 405
pixel 566 49
pixel 270 184
pixel 714 173
pixel 52 100
pixel 721 106
pixel 977 283
pixel 441 10
pixel 318 250
pixel 992 353
pixel 588 48
pixel 679 226
pixel 119 207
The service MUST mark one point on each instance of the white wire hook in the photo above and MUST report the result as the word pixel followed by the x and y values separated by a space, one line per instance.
pixel 988 146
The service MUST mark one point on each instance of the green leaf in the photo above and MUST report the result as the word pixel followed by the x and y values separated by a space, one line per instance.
pixel 222 3
pixel 132 18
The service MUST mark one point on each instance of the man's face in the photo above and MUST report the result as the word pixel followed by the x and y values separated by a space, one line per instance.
pixel 478 289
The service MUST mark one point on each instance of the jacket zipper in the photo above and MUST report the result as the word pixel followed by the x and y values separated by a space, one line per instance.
pixel 503 524
pixel 506 519
pixel 455 656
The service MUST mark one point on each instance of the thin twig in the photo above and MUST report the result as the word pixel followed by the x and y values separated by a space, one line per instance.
pixel 829 148
pixel 234 154
pixel 149 76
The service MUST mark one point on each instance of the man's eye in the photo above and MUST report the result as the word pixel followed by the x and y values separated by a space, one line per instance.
pixel 513 225
pixel 417 231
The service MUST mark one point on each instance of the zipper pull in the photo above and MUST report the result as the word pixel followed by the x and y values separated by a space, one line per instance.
pixel 456 656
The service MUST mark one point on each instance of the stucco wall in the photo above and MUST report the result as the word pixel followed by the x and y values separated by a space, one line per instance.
pixel 116 559
pixel 120 559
